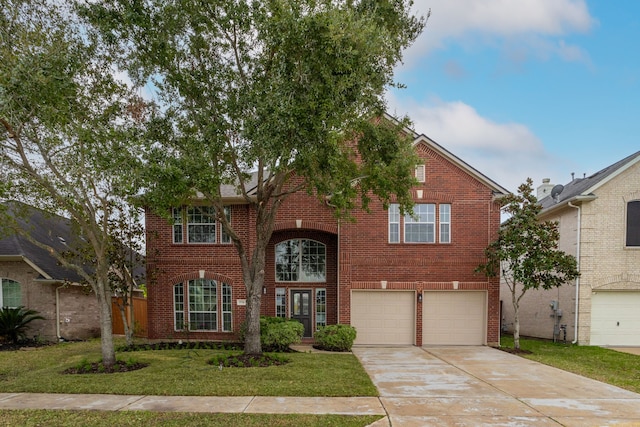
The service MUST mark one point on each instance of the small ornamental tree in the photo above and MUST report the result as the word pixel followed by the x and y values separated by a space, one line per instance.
pixel 526 253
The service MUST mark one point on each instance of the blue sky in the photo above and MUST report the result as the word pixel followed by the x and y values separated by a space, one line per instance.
pixel 526 88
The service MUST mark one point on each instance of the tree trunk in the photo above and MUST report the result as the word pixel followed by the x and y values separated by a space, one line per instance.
pixel 252 343
pixel 516 327
pixel 106 329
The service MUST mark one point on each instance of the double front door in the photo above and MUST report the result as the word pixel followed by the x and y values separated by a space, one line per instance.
pixel 301 308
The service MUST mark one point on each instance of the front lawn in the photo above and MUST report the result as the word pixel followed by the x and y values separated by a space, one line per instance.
pixel 609 366
pixel 35 418
pixel 181 372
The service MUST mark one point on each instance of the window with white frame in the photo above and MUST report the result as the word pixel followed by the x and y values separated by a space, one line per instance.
pixel 202 307
pixel 300 260
pixel 445 223
pixel 420 173
pixel 177 224
pixel 419 226
pixel 321 308
pixel 394 223
pixel 224 236
pixel 10 293
pixel 281 302
pixel 633 223
pixel 178 307
pixel 201 224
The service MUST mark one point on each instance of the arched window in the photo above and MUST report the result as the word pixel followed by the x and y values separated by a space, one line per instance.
pixel 633 223
pixel 201 312
pixel 301 260
pixel 10 294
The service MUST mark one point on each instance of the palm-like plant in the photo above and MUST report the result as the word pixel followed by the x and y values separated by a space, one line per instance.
pixel 14 322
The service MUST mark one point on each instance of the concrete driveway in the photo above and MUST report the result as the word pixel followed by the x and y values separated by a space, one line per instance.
pixel 482 386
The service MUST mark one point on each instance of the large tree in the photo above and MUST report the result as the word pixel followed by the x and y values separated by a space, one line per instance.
pixel 66 132
pixel 526 253
pixel 273 97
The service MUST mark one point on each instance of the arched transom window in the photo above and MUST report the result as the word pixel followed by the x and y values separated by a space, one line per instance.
pixel 301 260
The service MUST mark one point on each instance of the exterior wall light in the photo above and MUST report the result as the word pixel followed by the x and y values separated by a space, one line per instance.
pixel 420 297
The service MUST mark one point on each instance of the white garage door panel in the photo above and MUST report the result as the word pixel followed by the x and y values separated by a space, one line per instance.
pixel 383 317
pixel 615 318
pixel 454 318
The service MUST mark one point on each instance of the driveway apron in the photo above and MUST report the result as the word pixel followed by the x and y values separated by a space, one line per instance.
pixel 483 386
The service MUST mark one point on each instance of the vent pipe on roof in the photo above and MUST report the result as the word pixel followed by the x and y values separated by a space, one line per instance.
pixel 545 189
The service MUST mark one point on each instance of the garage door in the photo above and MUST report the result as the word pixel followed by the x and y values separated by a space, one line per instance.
pixel 454 318
pixel 615 318
pixel 383 317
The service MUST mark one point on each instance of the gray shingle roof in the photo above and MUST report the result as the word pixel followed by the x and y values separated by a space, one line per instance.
pixel 584 186
pixel 52 230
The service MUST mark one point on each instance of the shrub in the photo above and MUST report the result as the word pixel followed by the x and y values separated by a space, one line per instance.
pixel 335 337
pixel 276 333
pixel 14 322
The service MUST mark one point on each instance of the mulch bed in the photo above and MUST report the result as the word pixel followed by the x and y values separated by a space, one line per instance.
pixel 23 345
pixel 515 350
pixel 99 368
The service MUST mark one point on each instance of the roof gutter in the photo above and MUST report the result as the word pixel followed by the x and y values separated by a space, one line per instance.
pixel 575 199
pixel 575 320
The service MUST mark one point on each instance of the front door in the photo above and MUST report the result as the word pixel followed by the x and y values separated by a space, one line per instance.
pixel 301 309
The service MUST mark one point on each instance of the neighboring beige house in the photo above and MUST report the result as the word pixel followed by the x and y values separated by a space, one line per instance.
pixel 31 277
pixel 599 223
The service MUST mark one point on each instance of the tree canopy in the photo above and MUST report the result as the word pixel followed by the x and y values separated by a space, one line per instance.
pixel 68 134
pixel 525 255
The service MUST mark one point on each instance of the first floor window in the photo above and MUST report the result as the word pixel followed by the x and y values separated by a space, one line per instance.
pixel 419 226
pixel 633 223
pixel 198 309
pixel 178 307
pixel 281 302
pixel 321 308
pixel 10 294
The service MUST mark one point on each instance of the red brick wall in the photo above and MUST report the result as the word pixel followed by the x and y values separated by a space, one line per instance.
pixel 366 257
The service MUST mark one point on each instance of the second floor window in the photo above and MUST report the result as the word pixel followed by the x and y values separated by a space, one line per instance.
pixel 633 223
pixel 422 225
pixel 197 224
pixel 300 260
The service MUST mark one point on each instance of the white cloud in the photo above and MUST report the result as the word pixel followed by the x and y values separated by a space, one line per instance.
pixel 470 22
pixel 508 153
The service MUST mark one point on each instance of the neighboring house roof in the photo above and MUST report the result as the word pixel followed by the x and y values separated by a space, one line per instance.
pixel 51 230
pixel 582 189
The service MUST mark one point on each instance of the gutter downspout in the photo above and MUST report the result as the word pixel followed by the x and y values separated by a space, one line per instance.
pixel 575 325
pixel 58 313
pixel 338 276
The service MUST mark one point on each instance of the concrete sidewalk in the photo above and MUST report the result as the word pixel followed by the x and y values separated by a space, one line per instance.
pixel 238 404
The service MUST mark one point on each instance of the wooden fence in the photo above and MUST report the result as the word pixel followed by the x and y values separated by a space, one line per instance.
pixel 139 316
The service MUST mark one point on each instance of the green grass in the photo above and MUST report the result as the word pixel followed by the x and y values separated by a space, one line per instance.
pixel 28 418
pixel 609 366
pixel 182 372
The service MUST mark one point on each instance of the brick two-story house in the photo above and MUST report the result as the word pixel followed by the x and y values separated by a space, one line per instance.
pixel 397 279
